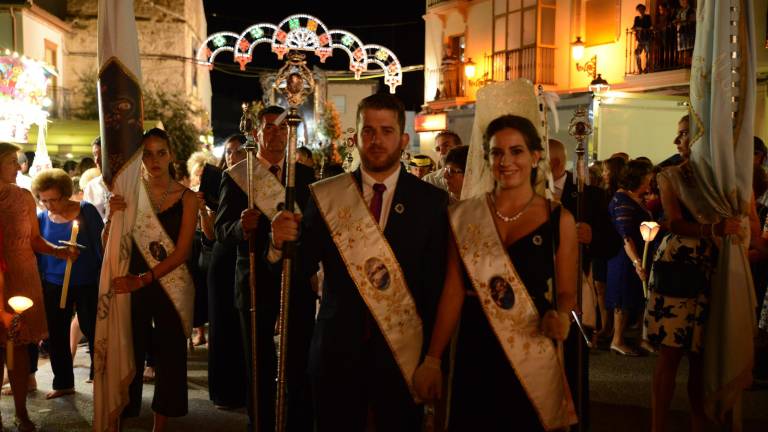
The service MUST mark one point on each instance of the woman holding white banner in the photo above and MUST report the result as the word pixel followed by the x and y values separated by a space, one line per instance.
pixel 158 250
pixel 507 374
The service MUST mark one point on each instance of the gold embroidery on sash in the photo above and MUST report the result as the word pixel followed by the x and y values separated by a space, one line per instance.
pixel 155 245
pixel 511 312
pixel 373 267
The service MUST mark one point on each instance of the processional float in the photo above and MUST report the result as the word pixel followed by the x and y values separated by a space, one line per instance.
pixel 290 40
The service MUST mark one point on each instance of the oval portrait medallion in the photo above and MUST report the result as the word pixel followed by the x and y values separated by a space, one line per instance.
pixel 377 273
pixel 157 251
pixel 501 292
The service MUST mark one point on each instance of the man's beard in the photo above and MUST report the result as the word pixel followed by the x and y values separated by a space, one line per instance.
pixel 390 161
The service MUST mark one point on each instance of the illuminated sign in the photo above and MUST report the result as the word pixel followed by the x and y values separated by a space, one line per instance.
pixel 431 122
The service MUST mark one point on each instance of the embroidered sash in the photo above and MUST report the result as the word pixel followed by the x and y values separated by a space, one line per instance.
pixel 373 267
pixel 155 245
pixel 511 312
pixel 268 193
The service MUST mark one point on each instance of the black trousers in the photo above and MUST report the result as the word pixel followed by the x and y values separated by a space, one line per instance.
pixel 344 401
pixel 82 298
pixel 572 372
pixel 151 305
pixel 266 367
pixel 227 380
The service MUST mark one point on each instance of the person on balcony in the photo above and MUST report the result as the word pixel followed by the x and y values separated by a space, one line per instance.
pixel 642 28
pixel 685 20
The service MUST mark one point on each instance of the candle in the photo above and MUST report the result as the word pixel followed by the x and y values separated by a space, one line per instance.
pixel 68 269
pixel 19 304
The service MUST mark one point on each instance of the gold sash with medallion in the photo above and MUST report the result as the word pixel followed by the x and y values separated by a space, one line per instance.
pixel 373 267
pixel 511 313
pixel 268 192
pixel 155 245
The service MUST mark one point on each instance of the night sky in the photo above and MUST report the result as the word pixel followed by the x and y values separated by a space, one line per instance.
pixel 399 27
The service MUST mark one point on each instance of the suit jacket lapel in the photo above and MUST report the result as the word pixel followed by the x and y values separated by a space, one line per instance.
pixel 397 211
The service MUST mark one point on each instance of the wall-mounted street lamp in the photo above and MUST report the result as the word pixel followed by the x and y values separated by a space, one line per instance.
pixel 599 85
pixel 470 71
pixel 590 67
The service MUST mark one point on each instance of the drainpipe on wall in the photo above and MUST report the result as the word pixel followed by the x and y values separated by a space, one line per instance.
pixel 13 27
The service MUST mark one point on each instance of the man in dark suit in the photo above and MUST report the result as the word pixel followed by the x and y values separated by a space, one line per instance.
pixel 596 235
pixel 234 224
pixel 356 378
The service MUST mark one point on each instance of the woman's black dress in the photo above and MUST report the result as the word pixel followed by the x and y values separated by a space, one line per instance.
pixel 487 395
pixel 151 305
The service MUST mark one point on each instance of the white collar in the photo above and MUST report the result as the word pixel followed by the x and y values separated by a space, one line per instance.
pixel 267 164
pixel 390 182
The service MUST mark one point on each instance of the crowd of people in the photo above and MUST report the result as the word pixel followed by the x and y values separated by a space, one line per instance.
pixel 392 257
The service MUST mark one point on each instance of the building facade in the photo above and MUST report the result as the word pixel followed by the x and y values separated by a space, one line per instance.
pixel 170 31
pixel 535 39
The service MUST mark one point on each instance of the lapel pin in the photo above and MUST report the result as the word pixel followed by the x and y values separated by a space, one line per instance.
pixel 537 240
pixel 399 208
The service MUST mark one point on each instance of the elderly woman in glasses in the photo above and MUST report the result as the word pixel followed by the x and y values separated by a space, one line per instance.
pixel 53 189
pixel 455 164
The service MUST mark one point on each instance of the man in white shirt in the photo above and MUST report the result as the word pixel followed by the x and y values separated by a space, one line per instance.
pixel 444 142
pixel 355 374
pixel 96 191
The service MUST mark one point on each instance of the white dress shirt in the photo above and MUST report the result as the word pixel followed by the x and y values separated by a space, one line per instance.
pixel 23 181
pixel 267 165
pixel 386 199
pixel 437 179
pixel 559 186
pixel 96 193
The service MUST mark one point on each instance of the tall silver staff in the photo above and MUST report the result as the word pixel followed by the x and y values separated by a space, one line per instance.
pixel 295 82
pixel 246 128
pixel 580 129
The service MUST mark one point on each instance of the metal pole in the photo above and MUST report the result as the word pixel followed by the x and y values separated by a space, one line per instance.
pixel 580 129
pixel 246 128
pixel 289 253
pixel 296 82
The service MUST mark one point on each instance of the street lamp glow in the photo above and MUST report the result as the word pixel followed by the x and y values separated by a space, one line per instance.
pixel 470 69
pixel 577 49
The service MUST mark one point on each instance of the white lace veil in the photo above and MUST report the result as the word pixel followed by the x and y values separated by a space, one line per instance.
pixel 516 97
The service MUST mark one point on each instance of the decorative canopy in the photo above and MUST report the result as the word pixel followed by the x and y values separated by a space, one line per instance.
pixel 303 33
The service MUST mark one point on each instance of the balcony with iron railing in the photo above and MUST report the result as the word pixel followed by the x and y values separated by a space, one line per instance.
pixel 659 49
pixel 536 64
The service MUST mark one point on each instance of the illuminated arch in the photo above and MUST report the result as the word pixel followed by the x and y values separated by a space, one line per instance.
pixel 304 33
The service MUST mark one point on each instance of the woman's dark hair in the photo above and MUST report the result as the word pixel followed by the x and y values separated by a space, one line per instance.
pixel 70 165
pixel 521 124
pixel 163 135
pixel 458 156
pixel 614 166
pixel 86 163
pixel 633 174
pixel 235 136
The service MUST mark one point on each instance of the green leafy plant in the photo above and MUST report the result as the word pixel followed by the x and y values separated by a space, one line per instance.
pixel 175 111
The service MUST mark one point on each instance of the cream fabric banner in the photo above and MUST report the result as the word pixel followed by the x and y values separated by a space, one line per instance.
pixel 268 193
pixel 373 267
pixel 511 312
